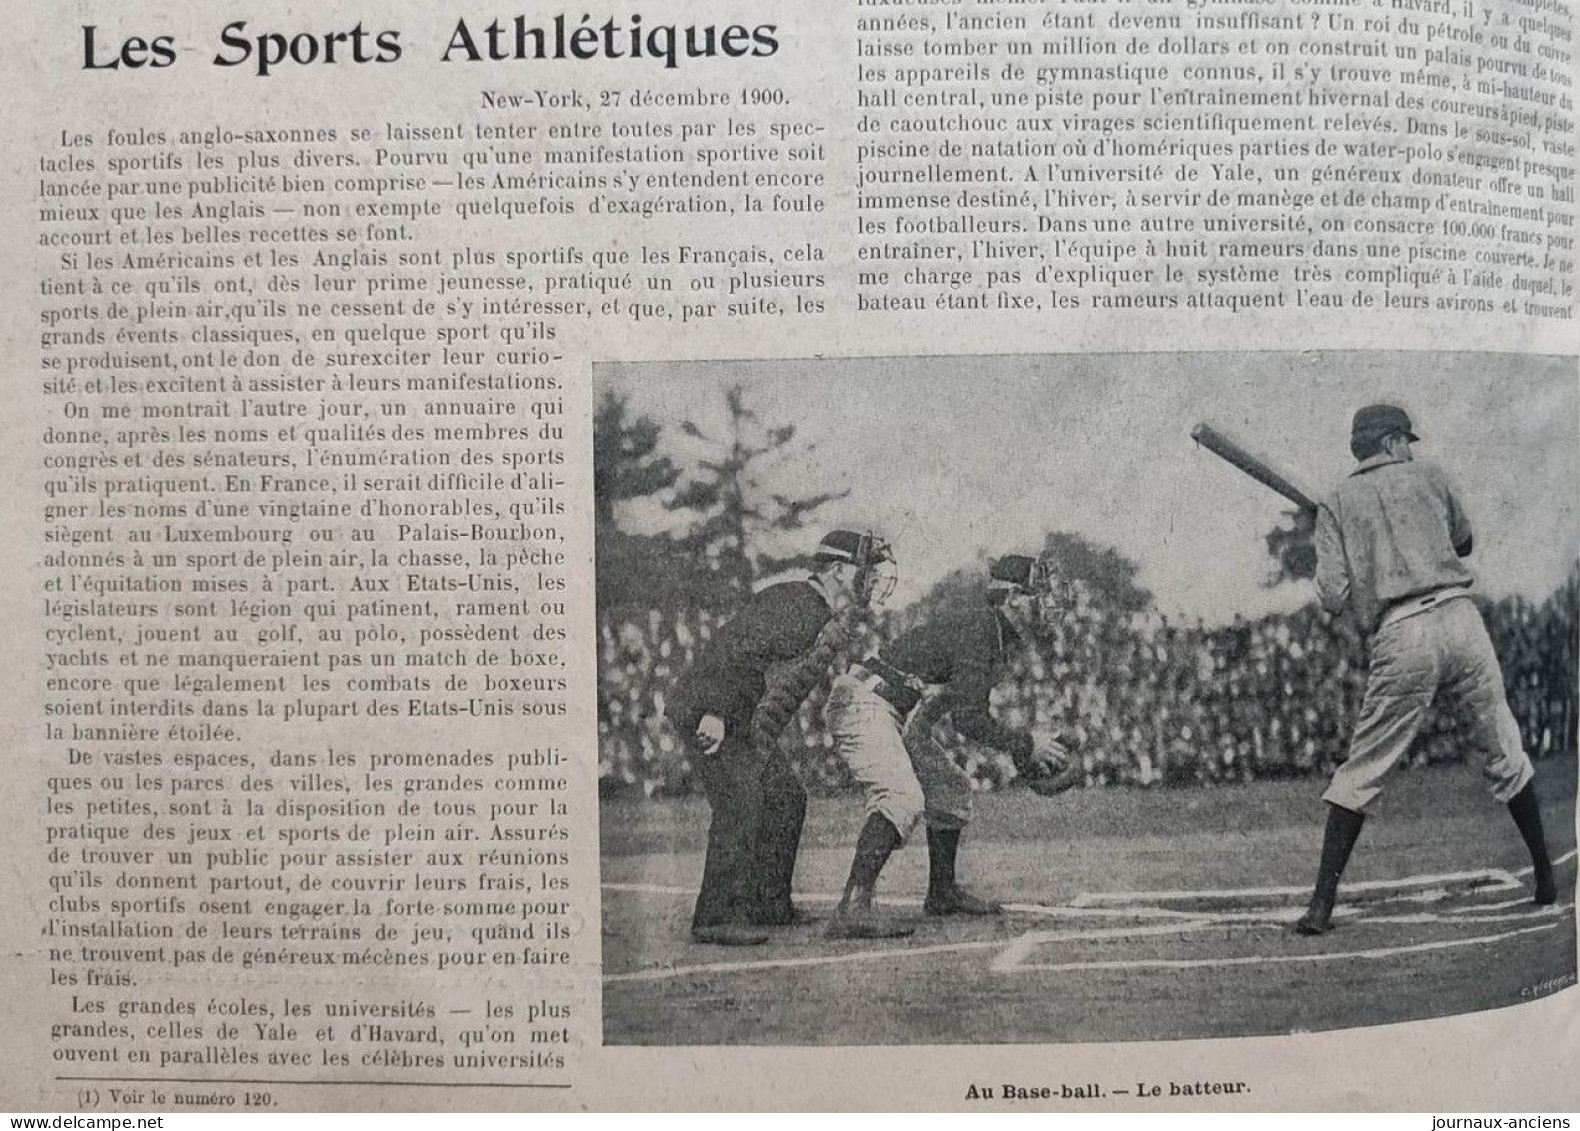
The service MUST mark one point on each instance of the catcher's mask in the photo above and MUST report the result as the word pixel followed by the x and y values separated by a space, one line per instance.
pixel 1054 596
pixel 872 576
pixel 876 571
pixel 1051 596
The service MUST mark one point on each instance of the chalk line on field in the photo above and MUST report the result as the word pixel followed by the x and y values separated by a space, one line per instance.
pixel 1035 937
pixel 1019 950
pixel 1080 911
pixel 660 973
pixel 1485 879
pixel 1558 863
pixel 1014 956
pixel 1421 917
pixel 651 889
pixel 1279 916
pixel 1268 959
pixel 1134 905
pixel 1411 888
pixel 1474 909
pixel 1074 910
pixel 801 896
pixel 1532 912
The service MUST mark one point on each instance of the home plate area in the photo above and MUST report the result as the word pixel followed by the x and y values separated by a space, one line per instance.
pixel 1174 929
pixel 1099 965
pixel 1250 926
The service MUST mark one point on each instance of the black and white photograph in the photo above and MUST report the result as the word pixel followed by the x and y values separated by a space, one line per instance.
pixel 1083 698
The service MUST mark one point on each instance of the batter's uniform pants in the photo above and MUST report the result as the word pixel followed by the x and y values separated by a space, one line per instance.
pixel 758 807
pixel 905 774
pixel 1443 648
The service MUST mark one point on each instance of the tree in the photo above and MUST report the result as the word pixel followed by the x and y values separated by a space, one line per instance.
pixel 960 590
pixel 639 572
pixel 1292 546
pixel 738 509
pixel 1109 576
pixel 634 571
pixel 625 460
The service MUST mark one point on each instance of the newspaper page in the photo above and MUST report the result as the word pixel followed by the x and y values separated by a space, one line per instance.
pixel 966 554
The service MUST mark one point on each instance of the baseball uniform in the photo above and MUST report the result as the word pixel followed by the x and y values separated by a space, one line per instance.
pixel 882 727
pixel 1388 552
pixel 1390 541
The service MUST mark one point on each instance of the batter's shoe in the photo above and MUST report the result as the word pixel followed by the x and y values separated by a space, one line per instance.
pixel 1318 920
pixel 849 924
pixel 1312 924
pixel 1546 892
pixel 729 934
pixel 958 901
pixel 1338 840
pixel 788 915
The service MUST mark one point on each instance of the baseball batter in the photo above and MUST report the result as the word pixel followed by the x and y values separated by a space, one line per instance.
pixel 1390 542
pixel 721 704
pixel 881 714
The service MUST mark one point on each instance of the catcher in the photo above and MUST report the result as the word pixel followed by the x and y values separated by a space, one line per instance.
pixel 881 714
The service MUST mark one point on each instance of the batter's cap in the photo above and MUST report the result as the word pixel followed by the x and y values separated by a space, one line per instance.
pixel 1378 420
pixel 854 547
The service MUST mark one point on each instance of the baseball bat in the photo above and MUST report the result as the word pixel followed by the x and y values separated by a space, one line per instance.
pixel 1253 465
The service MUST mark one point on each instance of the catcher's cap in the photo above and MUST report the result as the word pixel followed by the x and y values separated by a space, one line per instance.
pixel 854 547
pixel 1378 420
pixel 1014 572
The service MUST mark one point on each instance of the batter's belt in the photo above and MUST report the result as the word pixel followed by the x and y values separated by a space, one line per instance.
pixel 898 689
pixel 1411 606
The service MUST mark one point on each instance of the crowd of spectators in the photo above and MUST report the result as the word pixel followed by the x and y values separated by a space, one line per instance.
pixel 1152 703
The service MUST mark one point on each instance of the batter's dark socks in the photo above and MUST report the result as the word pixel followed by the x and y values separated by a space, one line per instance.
pixel 877 842
pixel 1526 810
pixel 1338 841
pixel 942 847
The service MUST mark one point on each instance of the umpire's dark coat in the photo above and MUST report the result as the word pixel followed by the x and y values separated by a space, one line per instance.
pixel 758 804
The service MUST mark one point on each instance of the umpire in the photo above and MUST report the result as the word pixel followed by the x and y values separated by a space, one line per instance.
pixel 1390 542
pixel 721 705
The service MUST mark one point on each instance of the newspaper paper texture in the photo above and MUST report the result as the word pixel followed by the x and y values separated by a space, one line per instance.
pixel 987 555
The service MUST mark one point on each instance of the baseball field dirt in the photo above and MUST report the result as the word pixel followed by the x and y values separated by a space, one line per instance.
pixel 1132 915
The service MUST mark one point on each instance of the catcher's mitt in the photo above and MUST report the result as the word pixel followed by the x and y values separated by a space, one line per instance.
pixel 1052 766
